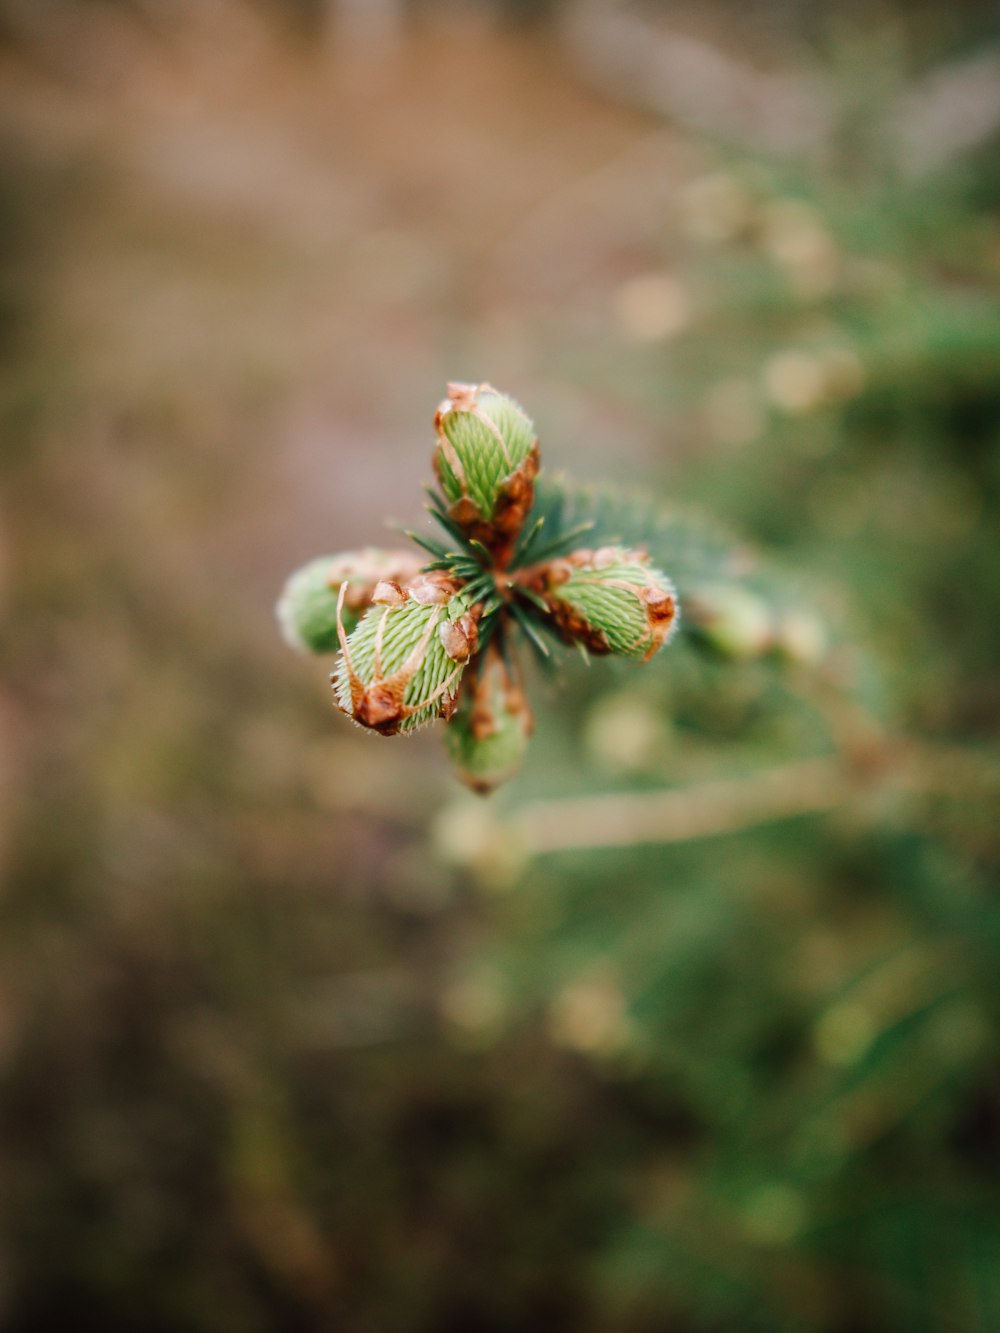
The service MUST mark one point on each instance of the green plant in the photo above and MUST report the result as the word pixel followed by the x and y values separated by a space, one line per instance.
pixel 418 643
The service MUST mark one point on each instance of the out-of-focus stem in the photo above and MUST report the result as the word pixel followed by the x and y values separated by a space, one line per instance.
pixel 730 805
pixel 808 786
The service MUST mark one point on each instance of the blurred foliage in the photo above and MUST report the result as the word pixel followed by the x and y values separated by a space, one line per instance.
pixel 291 1035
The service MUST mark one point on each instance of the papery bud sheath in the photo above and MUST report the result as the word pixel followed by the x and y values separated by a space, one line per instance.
pixel 402 665
pixel 486 461
pixel 611 600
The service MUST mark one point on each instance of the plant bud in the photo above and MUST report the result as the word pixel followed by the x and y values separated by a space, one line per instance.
pixel 800 638
pixel 488 735
pixel 486 461
pixel 611 600
pixel 402 664
pixel 307 607
pixel 735 621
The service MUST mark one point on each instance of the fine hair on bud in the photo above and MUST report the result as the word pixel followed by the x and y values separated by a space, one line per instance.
pixel 486 460
pixel 424 639
pixel 402 664
pixel 612 600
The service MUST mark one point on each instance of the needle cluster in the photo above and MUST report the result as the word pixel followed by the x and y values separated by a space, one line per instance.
pixel 418 641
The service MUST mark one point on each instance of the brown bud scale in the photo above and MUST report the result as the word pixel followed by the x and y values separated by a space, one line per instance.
pixel 516 496
pixel 380 704
pixel 659 604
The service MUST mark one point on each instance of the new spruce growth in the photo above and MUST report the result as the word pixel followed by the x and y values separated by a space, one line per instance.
pixel 611 601
pixel 439 638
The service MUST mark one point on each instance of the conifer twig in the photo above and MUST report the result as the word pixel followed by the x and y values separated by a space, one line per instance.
pixel 732 805
pixel 708 809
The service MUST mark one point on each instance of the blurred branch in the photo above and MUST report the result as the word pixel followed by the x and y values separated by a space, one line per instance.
pixel 655 66
pixel 952 111
pixel 732 805
pixel 366 27
pixel 648 62
pixel 809 786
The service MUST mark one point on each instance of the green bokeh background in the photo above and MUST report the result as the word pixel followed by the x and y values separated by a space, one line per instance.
pixel 293 1032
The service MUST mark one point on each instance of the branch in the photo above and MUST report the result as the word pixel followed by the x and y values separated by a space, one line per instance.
pixel 707 810
pixel 731 805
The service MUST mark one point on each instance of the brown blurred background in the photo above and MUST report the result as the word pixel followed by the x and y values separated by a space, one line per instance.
pixel 291 1035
